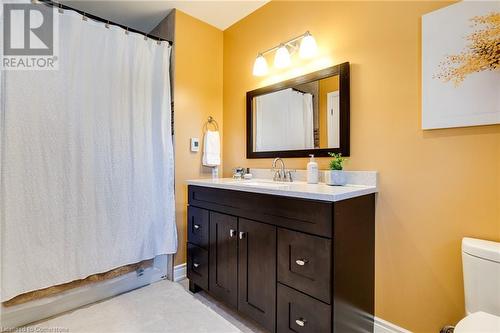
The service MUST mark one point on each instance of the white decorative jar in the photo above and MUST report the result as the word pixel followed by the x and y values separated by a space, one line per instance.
pixel 335 177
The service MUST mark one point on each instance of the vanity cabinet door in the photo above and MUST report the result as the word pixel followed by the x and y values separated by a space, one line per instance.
pixel 257 272
pixel 223 281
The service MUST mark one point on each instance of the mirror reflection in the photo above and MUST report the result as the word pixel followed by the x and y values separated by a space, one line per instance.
pixel 305 116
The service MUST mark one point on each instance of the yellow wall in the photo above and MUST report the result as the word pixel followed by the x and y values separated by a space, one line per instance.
pixel 435 186
pixel 197 94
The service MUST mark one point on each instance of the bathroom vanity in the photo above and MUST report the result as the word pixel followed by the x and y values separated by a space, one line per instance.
pixel 292 257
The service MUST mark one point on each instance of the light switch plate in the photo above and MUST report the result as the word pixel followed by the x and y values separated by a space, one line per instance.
pixel 195 144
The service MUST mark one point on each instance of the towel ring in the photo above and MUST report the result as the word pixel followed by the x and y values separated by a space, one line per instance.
pixel 211 121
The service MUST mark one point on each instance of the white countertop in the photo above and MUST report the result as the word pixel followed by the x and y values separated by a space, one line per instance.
pixel 297 189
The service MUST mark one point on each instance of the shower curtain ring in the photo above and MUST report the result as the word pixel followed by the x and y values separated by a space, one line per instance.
pixel 146 37
pixel 107 25
pixel 159 41
pixel 61 10
pixel 126 31
pixel 84 17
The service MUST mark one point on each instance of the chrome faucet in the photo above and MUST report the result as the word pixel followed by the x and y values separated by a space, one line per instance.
pixel 278 174
pixel 282 174
pixel 238 173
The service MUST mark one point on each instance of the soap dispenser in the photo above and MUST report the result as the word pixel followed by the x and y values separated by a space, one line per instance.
pixel 312 171
pixel 247 175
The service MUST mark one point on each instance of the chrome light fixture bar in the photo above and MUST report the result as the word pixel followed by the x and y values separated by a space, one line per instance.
pixel 307 49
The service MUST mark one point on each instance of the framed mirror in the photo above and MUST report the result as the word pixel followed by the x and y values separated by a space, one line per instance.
pixel 301 116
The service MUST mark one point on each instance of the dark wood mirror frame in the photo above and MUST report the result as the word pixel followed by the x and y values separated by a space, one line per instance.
pixel 344 82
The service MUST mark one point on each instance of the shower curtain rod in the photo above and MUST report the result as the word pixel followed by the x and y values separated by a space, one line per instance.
pixel 100 19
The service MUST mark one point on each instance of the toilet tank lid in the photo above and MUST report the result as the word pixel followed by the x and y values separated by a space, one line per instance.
pixel 481 248
pixel 478 322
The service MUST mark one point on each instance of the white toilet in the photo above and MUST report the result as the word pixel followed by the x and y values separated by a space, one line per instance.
pixel 481 265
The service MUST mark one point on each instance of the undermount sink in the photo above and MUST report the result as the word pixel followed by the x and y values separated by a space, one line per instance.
pixel 255 183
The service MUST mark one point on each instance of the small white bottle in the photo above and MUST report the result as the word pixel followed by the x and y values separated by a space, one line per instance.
pixel 312 171
pixel 247 174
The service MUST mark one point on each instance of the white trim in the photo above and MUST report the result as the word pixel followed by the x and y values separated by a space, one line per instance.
pixel 46 307
pixel 333 119
pixel 17 315
pixel 380 325
pixel 383 326
pixel 180 272
pixel 170 267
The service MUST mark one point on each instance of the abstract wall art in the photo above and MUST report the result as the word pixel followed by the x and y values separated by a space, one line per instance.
pixel 461 65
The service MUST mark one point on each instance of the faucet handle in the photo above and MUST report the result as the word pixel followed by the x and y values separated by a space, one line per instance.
pixel 288 175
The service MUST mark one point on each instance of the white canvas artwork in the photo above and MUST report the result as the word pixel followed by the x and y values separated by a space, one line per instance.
pixel 461 65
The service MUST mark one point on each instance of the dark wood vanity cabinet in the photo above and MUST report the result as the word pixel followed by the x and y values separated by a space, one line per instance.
pixel 243 266
pixel 305 268
pixel 223 266
pixel 257 272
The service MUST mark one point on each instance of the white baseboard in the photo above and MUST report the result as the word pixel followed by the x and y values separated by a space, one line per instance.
pixel 383 326
pixel 43 308
pixel 180 272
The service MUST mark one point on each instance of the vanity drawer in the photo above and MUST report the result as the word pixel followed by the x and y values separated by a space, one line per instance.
pixel 304 263
pixel 197 265
pixel 311 216
pixel 300 313
pixel 198 228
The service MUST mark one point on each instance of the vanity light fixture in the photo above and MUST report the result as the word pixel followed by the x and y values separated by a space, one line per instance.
pixel 308 47
pixel 260 66
pixel 305 44
pixel 282 57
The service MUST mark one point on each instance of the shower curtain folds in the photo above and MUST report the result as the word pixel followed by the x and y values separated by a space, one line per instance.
pixel 87 166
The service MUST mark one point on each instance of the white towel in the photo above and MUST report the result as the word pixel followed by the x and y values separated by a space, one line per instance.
pixel 211 149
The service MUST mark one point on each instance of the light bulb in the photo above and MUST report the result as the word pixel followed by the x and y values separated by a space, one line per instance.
pixel 282 57
pixel 308 46
pixel 260 66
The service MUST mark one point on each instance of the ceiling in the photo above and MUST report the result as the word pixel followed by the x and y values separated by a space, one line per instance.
pixel 144 15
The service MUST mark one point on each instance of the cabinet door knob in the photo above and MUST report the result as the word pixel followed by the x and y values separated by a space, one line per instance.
pixel 301 322
pixel 197 226
pixel 301 262
pixel 242 234
pixel 196 265
pixel 232 232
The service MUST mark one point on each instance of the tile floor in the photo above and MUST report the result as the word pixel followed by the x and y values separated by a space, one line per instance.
pixel 164 306
pixel 227 313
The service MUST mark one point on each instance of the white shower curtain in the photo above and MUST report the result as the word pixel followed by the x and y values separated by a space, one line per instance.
pixel 87 174
pixel 284 121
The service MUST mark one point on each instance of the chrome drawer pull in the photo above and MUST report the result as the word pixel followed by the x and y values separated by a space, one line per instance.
pixel 242 234
pixel 196 265
pixel 301 262
pixel 301 322
pixel 232 232
pixel 197 226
